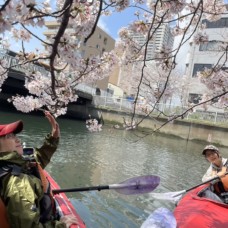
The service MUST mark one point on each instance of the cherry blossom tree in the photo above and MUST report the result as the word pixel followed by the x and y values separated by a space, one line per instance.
pixel 153 83
pixel 66 68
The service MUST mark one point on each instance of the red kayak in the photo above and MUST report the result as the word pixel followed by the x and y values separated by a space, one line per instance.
pixel 198 212
pixel 64 205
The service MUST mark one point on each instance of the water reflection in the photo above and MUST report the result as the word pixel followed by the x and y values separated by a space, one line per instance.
pixel 111 156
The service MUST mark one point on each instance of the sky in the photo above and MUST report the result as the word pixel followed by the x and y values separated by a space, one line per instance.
pixel 110 24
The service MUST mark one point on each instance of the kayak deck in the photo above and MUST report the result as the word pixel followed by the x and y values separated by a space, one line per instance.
pixel 199 212
pixel 64 206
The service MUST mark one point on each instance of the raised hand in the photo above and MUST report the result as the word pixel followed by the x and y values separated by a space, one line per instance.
pixel 55 126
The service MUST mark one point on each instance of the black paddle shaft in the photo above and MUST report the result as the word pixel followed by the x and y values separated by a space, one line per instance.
pixel 205 182
pixel 196 186
pixel 92 188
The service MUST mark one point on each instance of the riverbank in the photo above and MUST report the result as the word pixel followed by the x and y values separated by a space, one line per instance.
pixel 185 129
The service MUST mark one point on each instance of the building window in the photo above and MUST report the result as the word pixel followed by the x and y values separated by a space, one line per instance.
pixel 105 40
pixel 98 91
pixel 110 92
pixel 224 69
pixel 103 50
pixel 200 67
pixel 97 46
pixel 194 98
pixel 99 36
pixel 212 46
pixel 221 23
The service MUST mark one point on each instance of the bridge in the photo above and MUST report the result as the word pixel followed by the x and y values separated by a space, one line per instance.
pixel 14 84
pixel 89 98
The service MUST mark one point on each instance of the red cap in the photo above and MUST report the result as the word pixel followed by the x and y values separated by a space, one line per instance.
pixel 14 127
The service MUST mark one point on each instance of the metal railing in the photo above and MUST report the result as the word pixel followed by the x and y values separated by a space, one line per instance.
pixel 210 116
pixel 91 90
pixel 123 104
pixel 107 101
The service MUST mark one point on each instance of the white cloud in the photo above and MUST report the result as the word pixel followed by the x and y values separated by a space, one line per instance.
pixel 103 25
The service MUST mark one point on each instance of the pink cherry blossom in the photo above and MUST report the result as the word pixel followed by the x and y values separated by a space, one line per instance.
pixel 156 79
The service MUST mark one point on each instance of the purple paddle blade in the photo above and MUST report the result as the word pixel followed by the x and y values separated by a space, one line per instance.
pixel 137 185
pixel 160 218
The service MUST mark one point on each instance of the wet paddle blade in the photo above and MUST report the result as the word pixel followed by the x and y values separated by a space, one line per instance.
pixel 170 196
pixel 160 218
pixel 137 185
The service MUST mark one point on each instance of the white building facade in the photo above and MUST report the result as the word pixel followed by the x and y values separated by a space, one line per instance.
pixel 162 38
pixel 206 56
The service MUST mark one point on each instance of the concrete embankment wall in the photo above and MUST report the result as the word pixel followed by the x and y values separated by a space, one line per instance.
pixel 182 128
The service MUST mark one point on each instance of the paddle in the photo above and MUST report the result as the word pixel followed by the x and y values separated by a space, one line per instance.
pixel 175 196
pixel 135 185
pixel 161 217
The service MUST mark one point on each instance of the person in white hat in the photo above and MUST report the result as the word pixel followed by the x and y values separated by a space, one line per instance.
pixel 218 164
pixel 218 168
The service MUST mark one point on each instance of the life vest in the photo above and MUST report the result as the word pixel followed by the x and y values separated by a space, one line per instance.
pixel 222 185
pixel 47 203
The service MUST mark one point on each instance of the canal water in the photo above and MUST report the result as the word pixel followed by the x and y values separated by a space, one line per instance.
pixel 112 156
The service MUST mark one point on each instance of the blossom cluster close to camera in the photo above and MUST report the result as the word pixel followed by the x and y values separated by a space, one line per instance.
pixel 77 19
pixel 93 125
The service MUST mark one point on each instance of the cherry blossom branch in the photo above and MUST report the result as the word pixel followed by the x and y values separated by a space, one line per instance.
pixel 4 5
pixel 59 34
pixel 96 21
pixel 38 38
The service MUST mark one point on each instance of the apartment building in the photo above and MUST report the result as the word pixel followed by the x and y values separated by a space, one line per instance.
pixel 141 40
pixel 206 55
pixel 99 42
pixel 162 38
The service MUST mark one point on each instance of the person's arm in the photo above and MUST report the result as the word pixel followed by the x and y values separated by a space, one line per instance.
pixel 209 174
pixel 45 152
pixel 222 172
pixel 55 126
